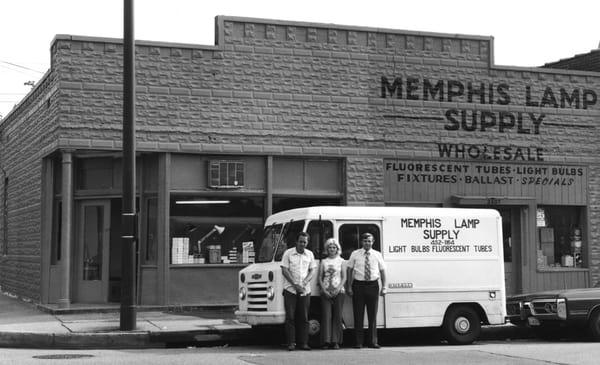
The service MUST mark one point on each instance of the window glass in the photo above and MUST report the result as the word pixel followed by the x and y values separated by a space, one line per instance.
pixel 319 231
pixel 93 240
pixel 94 173
pixel 560 240
pixel 215 230
pixel 274 242
pixel 349 235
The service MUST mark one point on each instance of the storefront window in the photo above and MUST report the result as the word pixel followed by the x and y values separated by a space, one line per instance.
pixel 560 240
pixel 215 230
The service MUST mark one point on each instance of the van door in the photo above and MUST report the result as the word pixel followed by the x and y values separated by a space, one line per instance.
pixel 348 233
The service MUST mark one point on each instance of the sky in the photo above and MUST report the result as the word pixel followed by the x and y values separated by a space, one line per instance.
pixel 526 33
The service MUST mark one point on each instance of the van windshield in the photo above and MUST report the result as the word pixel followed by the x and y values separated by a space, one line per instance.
pixel 273 246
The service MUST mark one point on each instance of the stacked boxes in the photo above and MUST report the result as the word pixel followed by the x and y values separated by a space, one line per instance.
pixel 233 256
pixel 180 252
pixel 248 252
pixel 180 248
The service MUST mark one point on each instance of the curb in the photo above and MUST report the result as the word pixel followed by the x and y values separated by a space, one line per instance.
pixel 163 339
pixel 52 309
pixel 119 340
pixel 75 340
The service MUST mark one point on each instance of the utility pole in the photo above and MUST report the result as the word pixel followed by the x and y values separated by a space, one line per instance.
pixel 128 217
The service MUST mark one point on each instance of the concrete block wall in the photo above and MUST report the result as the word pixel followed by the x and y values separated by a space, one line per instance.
pixel 28 133
pixel 268 87
pixel 285 93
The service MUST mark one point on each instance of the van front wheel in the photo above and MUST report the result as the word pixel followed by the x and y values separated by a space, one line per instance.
pixel 462 325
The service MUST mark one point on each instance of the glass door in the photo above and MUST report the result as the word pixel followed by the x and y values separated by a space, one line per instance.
pixel 93 247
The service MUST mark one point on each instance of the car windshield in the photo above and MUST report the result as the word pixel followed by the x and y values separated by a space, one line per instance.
pixel 273 246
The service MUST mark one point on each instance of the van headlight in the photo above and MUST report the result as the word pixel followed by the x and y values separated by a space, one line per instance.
pixel 242 293
pixel 561 308
pixel 270 293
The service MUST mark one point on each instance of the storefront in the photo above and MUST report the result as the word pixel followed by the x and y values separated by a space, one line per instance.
pixel 279 115
pixel 541 204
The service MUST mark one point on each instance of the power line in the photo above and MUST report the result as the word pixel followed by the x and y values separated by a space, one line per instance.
pixel 23 67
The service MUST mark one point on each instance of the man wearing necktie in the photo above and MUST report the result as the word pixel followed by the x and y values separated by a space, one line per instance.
pixel 365 268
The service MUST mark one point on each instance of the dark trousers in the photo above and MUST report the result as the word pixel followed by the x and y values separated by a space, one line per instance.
pixel 331 321
pixel 296 317
pixel 366 294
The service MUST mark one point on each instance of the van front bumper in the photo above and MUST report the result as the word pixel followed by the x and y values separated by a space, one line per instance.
pixel 260 318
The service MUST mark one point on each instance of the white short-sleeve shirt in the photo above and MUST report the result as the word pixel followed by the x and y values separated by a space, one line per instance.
pixel 298 264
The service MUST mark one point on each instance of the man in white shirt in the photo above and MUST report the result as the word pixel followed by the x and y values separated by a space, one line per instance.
pixel 365 268
pixel 297 266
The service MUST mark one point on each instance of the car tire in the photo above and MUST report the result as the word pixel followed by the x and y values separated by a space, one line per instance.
pixel 594 325
pixel 462 325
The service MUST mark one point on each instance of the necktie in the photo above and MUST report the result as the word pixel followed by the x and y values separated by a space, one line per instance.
pixel 367 267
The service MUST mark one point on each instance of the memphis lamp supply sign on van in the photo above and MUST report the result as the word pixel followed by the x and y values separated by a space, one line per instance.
pixel 445 266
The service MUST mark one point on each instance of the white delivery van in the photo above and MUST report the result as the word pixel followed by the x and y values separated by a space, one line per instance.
pixel 445 266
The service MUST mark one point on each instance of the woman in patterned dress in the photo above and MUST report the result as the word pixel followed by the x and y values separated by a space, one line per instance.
pixel 332 279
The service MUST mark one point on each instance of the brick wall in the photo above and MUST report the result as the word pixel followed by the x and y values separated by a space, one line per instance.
pixel 583 62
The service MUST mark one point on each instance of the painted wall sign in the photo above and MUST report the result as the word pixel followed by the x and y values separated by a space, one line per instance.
pixel 415 88
pixel 502 121
pixel 424 180
pixel 485 152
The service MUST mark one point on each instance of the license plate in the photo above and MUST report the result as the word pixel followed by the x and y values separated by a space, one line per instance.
pixel 533 321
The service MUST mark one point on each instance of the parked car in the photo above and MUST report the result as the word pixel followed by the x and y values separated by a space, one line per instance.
pixel 550 313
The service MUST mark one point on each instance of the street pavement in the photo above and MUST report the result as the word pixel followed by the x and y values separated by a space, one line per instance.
pixel 28 325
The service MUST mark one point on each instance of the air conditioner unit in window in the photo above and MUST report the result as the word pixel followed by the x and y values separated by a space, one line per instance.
pixel 225 174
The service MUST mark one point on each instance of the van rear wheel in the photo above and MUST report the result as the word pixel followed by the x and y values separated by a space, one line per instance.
pixel 462 325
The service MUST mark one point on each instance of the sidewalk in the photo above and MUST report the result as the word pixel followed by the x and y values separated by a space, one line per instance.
pixel 28 325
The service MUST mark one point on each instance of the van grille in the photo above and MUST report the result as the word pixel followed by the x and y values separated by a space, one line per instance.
pixel 257 296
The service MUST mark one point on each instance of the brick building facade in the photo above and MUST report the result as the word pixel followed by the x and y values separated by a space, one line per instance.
pixel 583 62
pixel 285 114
